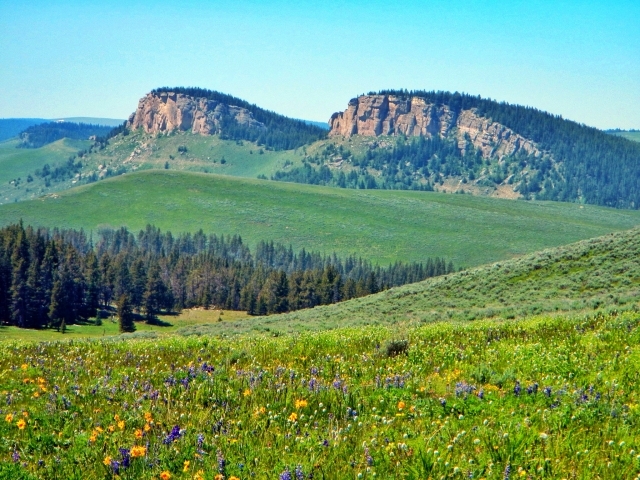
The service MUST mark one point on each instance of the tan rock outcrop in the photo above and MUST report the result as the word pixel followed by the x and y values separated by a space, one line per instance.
pixel 167 111
pixel 374 115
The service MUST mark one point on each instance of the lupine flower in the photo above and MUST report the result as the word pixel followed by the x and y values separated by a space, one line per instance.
pixel 517 389
pixel 174 435
pixel 221 461
pixel 299 473
pixel 286 475
pixel 126 457
pixel 368 458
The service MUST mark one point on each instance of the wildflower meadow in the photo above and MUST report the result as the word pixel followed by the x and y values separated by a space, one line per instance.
pixel 539 398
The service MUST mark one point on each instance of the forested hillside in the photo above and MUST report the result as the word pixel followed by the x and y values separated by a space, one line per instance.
pixel 57 277
pixel 575 163
pixel 37 136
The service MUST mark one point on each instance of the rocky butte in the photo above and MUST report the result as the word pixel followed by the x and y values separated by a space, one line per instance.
pixel 163 112
pixel 375 115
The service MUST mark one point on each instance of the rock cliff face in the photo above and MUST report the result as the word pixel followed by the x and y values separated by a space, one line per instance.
pixel 374 115
pixel 167 111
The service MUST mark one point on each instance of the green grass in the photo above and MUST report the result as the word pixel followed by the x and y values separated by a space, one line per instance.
pixel 634 136
pixel 383 226
pixel 601 273
pixel 187 319
pixel 203 154
pixel 18 163
pixel 541 398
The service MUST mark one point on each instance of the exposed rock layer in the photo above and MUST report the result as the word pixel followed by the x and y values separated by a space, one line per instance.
pixel 374 115
pixel 167 111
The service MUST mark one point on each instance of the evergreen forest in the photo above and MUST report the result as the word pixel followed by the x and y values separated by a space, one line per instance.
pixel 37 136
pixel 54 278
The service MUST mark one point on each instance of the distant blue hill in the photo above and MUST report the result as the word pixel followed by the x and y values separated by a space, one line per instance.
pixel 12 127
pixel 323 125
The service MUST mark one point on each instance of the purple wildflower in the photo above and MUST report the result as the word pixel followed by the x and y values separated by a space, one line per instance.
pixel 221 461
pixel 517 389
pixel 173 435
pixel 368 457
pixel 15 456
pixel 299 473
pixel 286 475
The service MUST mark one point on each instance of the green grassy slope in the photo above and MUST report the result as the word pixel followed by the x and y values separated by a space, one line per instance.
pixel 585 276
pixel 140 151
pixel 130 153
pixel 380 225
pixel 18 163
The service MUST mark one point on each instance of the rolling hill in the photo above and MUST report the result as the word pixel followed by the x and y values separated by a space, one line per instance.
pixel 379 225
pixel 600 273
pixel 398 140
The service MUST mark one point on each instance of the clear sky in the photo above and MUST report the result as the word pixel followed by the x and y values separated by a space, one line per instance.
pixel 306 59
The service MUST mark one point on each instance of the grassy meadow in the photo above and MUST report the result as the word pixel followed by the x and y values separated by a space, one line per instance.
pixel 382 226
pixel 634 136
pixel 541 398
pixel 169 324
pixel 19 163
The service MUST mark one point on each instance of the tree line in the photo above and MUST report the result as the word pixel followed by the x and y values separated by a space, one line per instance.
pixel 37 136
pixel 54 278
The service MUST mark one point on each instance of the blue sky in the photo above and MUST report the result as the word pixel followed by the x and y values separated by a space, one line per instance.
pixel 579 59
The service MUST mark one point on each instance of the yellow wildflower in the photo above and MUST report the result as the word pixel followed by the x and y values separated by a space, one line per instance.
pixel 121 424
pixel 185 465
pixel 111 428
pixel 247 392
pixel 138 433
pixel 293 417
pixel 401 405
pixel 25 414
pixel 9 418
pixel 301 403
pixel 107 460
pixel 199 475
pixel 24 366
pixel 219 477
pixel 147 427
pixel 165 475
pixel 148 417
pixel 21 424
pixel 138 451
pixel 36 394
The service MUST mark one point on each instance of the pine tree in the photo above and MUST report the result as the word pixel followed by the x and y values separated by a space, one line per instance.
pixel 155 294
pixel 125 315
